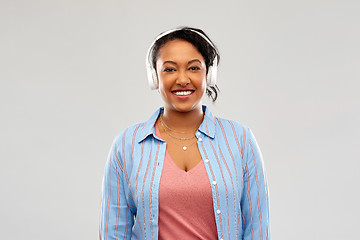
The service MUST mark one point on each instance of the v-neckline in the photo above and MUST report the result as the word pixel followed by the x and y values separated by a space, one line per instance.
pixel 182 170
pixel 157 132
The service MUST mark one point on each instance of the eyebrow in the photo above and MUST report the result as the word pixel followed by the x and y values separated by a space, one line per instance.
pixel 195 60
pixel 189 62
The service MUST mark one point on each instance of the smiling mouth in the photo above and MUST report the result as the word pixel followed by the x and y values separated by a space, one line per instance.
pixel 183 92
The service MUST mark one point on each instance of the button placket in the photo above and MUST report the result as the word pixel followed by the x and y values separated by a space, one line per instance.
pixel 198 134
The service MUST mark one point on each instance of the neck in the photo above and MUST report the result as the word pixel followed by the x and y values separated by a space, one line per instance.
pixel 183 121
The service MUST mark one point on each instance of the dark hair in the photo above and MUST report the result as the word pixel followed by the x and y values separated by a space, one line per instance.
pixel 208 51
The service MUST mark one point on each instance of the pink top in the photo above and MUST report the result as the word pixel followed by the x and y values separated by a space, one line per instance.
pixel 185 202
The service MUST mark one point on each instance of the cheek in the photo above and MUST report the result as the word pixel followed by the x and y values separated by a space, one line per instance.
pixel 163 93
pixel 203 81
pixel 164 85
pixel 163 82
pixel 162 88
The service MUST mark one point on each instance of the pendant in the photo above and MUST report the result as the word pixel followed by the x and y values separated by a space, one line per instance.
pixel 184 148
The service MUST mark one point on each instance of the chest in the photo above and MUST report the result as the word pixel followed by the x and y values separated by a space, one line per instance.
pixel 184 159
pixel 183 152
pixel 222 165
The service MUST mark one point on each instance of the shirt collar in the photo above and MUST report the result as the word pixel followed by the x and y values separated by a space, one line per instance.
pixel 207 126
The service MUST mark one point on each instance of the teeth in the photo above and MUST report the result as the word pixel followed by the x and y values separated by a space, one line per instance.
pixel 182 93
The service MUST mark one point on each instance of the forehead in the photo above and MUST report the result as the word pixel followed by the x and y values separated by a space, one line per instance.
pixel 179 50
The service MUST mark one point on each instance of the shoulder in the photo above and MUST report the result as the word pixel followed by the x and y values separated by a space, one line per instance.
pixel 128 134
pixel 237 135
pixel 226 125
pixel 123 143
pixel 234 131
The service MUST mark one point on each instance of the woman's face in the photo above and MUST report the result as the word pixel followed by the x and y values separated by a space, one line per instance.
pixel 181 71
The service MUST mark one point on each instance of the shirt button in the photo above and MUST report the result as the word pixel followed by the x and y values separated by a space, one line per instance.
pixel 200 139
pixel 198 133
pixel 218 211
pixel 214 182
pixel 206 160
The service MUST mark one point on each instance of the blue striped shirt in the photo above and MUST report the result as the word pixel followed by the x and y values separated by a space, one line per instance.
pixel 233 162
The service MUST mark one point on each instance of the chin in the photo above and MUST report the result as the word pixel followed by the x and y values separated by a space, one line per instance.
pixel 185 107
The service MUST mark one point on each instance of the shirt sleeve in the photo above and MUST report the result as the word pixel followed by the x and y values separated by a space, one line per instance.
pixel 116 219
pixel 255 198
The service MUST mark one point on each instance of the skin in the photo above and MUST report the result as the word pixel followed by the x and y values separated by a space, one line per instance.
pixel 180 66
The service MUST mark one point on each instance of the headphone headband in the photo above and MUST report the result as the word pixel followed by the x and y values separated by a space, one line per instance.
pixel 151 72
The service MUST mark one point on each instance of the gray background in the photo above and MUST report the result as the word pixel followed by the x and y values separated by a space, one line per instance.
pixel 72 76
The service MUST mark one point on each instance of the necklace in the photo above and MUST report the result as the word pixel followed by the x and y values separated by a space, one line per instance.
pixel 162 120
pixel 180 138
pixel 184 147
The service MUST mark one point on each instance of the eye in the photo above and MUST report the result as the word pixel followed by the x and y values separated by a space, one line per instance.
pixel 169 70
pixel 194 68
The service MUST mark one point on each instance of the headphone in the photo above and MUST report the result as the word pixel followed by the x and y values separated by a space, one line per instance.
pixel 151 71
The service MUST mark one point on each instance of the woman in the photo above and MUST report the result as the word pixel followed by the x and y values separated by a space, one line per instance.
pixel 183 173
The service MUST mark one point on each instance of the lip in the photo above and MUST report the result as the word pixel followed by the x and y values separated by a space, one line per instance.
pixel 180 97
pixel 183 89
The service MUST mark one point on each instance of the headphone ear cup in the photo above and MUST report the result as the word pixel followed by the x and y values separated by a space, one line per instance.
pixel 152 78
pixel 211 76
pixel 155 79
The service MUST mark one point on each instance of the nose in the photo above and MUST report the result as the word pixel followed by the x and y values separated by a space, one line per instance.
pixel 182 78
